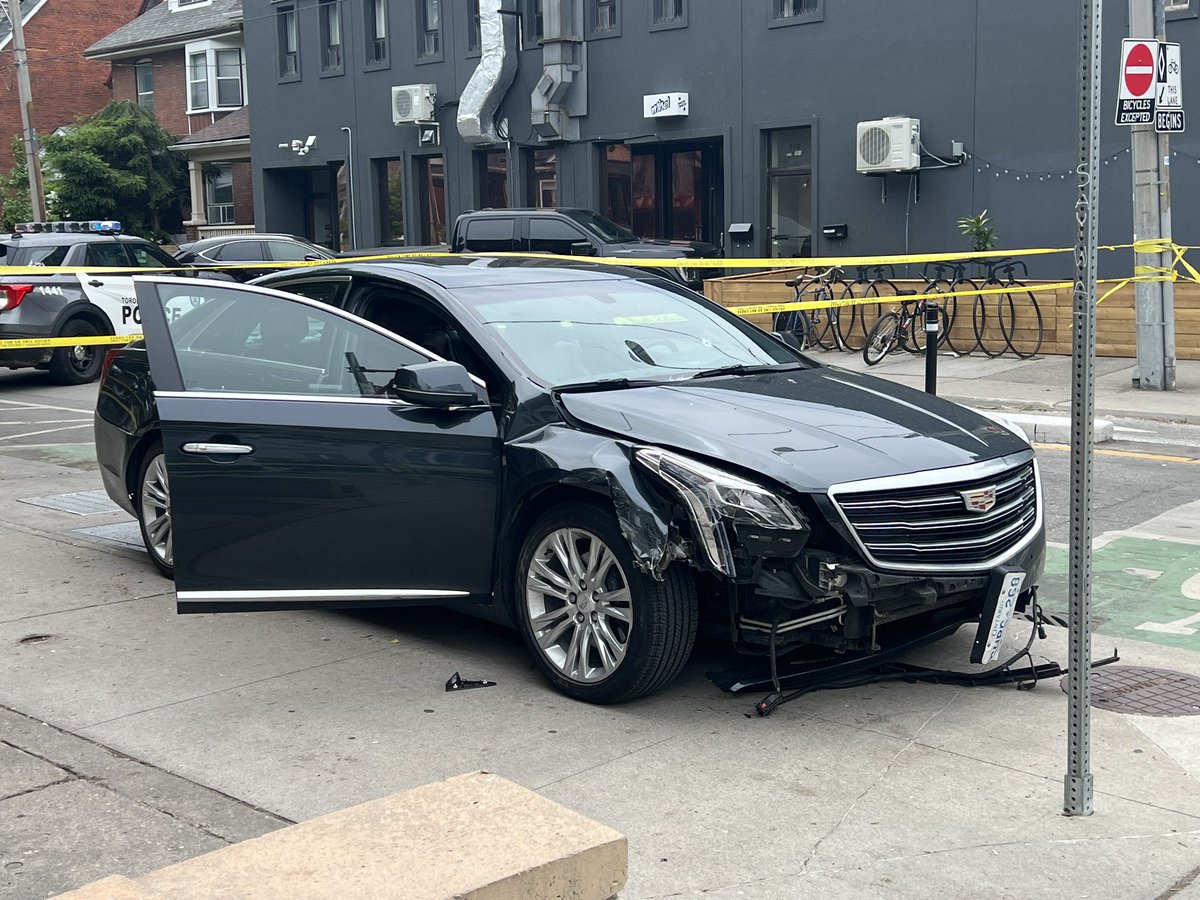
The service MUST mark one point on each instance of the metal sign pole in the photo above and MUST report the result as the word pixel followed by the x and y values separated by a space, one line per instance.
pixel 1078 781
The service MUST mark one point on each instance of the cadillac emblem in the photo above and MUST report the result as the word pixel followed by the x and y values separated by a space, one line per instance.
pixel 979 500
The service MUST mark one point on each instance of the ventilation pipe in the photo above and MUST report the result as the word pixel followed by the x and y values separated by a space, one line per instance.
pixel 489 83
pixel 560 96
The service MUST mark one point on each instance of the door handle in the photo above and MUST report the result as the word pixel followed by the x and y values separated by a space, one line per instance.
pixel 95 283
pixel 205 449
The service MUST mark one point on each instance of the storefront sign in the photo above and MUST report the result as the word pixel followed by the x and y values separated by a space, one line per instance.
pixel 659 106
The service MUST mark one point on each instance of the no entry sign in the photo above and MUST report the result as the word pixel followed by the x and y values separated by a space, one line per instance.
pixel 1139 62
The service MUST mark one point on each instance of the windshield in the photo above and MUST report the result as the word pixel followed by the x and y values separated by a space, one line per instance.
pixel 568 333
pixel 601 227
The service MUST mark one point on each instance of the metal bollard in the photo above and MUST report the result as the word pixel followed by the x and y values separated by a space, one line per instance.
pixel 931 342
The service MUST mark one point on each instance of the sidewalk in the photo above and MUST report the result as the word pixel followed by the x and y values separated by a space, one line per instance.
pixel 1041 384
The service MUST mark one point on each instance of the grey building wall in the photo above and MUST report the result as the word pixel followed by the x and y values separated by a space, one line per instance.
pixel 998 75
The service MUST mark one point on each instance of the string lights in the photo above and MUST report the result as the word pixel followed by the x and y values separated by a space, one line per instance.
pixel 985 167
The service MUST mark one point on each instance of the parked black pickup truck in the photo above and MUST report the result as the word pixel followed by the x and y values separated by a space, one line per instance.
pixel 574 232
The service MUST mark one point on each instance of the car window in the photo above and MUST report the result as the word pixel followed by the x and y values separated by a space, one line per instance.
pixel 565 333
pixel 331 291
pixel 290 251
pixel 553 236
pixel 52 255
pixel 105 254
pixel 239 251
pixel 236 341
pixel 148 257
pixel 490 235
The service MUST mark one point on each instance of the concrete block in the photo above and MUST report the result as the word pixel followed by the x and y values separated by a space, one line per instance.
pixel 476 836
pixel 1052 429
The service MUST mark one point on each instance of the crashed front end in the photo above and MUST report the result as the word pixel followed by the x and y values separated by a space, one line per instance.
pixel 863 565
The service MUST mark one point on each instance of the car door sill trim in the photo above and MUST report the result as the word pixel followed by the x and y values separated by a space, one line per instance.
pixel 317 596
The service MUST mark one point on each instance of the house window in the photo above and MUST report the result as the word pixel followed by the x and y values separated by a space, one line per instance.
pixel 794 9
pixel 429 29
pixel 330 15
pixel 533 16
pixel 218 184
pixel 474 34
pixel 144 70
pixel 214 77
pixel 1181 9
pixel 377 32
pixel 289 42
pixel 175 5
pixel 391 202
pixel 604 16
pixel 672 13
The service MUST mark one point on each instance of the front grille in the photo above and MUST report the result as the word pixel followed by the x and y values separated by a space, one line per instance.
pixel 932 527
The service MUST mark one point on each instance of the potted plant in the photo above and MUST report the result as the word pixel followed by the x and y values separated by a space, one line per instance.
pixel 981 232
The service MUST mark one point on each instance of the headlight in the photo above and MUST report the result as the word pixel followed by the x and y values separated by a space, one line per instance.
pixel 713 496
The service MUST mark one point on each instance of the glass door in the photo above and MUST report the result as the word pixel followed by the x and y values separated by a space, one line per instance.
pixel 431 176
pixel 789 188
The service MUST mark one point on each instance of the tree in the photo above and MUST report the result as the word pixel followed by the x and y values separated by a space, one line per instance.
pixel 116 164
pixel 14 190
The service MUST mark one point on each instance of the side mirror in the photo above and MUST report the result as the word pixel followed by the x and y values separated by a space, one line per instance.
pixel 436 384
pixel 582 248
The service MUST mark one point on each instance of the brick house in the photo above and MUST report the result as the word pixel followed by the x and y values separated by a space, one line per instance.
pixel 184 60
pixel 64 84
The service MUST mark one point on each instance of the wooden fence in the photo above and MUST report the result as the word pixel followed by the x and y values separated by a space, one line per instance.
pixel 1115 321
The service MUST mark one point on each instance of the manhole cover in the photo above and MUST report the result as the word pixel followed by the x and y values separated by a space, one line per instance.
pixel 1145 692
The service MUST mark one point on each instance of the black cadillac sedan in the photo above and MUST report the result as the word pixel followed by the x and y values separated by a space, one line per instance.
pixel 600 457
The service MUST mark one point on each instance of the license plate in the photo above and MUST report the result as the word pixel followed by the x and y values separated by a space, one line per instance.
pixel 1005 605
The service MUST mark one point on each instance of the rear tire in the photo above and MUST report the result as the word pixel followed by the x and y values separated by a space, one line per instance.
pixel 599 628
pixel 80 364
pixel 152 502
pixel 882 339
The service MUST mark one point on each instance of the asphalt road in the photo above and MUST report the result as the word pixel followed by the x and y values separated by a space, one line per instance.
pixel 131 737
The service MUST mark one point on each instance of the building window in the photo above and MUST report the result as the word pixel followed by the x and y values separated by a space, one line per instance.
pixel 493 179
pixel 214 73
pixel 175 5
pixel 144 70
pixel 668 13
pixel 429 29
pixel 795 12
pixel 789 192
pixel 218 190
pixel 330 15
pixel 377 32
pixel 391 202
pixel 603 18
pixel 289 43
pixel 541 178
pixel 534 21
pixel 431 188
pixel 474 33
pixel 1181 9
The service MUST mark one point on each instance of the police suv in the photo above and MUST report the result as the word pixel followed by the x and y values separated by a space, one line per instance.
pixel 71 304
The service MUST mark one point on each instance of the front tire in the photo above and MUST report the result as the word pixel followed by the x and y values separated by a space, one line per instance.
pixel 152 501
pixel 80 364
pixel 599 629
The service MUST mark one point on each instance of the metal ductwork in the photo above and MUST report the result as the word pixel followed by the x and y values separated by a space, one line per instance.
pixel 560 95
pixel 489 83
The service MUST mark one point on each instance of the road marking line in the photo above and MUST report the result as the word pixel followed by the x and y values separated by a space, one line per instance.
pixel 84 412
pixel 44 422
pixel 13 437
pixel 1128 454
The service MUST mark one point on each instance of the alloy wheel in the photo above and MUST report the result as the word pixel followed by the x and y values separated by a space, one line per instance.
pixel 579 604
pixel 156 511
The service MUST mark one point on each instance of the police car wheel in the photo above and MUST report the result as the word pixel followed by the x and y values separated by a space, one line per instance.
pixel 79 364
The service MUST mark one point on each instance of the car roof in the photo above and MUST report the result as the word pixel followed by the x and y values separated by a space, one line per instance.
pixel 524 210
pixel 205 243
pixel 54 238
pixel 462 270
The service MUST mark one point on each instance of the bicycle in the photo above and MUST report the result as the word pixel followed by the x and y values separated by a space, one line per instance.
pixel 815 329
pixel 1002 274
pixel 865 315
pixel 904 328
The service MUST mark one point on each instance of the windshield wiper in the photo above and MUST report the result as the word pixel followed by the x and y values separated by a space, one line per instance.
pixel 606 384
pixel 743 369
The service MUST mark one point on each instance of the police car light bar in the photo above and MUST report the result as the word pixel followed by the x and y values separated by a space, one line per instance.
pixel 95 226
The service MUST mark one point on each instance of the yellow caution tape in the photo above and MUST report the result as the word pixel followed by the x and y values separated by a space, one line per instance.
pixel 38 343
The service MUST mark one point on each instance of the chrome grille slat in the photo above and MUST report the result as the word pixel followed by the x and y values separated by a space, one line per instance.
pixel 931 527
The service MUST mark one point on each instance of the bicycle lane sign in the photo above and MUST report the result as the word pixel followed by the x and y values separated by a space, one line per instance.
pixel 1168 90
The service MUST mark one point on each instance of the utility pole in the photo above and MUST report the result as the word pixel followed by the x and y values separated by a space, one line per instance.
pixel 1155 300
pixel 33 162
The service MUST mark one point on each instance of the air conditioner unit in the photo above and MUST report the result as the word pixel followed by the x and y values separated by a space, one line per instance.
pixel 413 103
pixel 889 145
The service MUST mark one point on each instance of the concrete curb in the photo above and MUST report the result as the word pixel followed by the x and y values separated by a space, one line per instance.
pixel 1056 429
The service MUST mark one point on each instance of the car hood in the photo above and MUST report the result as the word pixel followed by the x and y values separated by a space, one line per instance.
pixel 807 429
pixel 652 249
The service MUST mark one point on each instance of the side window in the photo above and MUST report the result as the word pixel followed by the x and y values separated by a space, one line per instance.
pixel 332 293
pixel 288 251
pixel 148 257
pixel 553 236
pixel 491 235
pixel 240 251
pixel 237 341
pixel 37 256
pixel 105 254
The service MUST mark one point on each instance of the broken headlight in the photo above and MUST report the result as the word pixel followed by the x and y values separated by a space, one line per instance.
pixel 714 497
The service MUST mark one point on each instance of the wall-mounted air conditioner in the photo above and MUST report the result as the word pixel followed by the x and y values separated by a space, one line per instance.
pixel 889 145
pixel 413 103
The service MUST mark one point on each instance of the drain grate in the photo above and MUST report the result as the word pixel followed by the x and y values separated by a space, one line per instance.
pixel 121 534
pixel 80 503
pixel 1145 692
